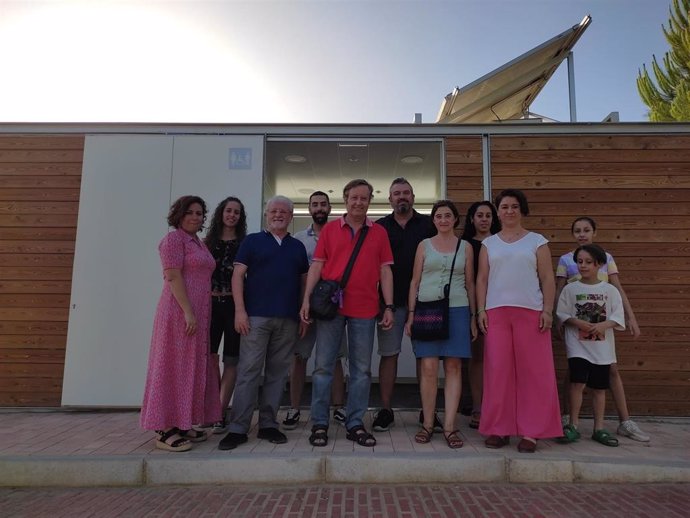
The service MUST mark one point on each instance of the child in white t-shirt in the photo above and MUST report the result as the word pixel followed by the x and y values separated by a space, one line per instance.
pixel 590 310
pixel 584 230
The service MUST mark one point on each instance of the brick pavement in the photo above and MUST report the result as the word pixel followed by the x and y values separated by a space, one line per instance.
pixel 377 501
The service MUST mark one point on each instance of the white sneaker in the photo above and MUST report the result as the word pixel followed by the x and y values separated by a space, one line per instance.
pixel 340 415
pixel 630 429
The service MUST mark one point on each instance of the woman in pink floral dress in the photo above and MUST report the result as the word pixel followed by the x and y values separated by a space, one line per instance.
pixel 179 390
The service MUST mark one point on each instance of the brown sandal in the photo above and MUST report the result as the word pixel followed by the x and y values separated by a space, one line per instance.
pixel 453 439
pixel 423 436
pixel 474 420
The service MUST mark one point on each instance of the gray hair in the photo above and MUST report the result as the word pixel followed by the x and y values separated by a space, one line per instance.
pixel 282 199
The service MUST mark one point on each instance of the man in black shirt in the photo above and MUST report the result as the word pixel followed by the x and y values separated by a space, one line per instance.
pixel 406 228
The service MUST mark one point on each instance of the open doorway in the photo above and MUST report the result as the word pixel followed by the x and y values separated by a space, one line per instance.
pixel 297 167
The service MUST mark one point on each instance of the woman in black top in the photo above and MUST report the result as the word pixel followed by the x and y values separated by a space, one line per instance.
pixel 228 228
pixel 481 221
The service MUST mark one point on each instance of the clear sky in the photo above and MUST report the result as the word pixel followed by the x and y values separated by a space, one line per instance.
pixel 326 61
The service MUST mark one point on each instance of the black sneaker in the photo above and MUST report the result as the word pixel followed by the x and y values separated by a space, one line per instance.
pixel 384 420
pixel 438 425
pixel 291 419
pixel 232 441
pixel 219 427
pixel 272 435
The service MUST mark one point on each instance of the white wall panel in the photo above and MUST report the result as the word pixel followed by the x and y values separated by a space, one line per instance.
pixel 128 184
pixel 201 166
pixel 125 196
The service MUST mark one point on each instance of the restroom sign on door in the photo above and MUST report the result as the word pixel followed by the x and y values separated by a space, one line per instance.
pixel 240 158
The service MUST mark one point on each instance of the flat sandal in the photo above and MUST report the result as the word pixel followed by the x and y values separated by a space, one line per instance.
pixel 423 436
pixel 453 439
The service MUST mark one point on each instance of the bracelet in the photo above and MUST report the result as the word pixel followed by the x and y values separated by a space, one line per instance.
pixel 411 311
pixel 481 310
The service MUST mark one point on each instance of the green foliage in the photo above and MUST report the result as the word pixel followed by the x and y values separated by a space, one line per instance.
pixel 669 98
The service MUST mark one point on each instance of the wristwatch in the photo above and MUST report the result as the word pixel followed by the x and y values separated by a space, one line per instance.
pixel 390 306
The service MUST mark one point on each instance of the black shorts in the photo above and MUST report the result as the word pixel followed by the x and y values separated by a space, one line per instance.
pixel 223 324
pixel 594 376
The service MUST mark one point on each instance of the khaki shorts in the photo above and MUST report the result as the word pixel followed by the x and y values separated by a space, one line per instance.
pixel 305 346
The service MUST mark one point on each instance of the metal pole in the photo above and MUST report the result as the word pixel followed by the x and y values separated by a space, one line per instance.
pixel 571 86
pixel 486 165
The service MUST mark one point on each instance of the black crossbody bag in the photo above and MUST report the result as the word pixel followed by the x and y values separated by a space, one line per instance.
pixel 430 320
pixel 326 297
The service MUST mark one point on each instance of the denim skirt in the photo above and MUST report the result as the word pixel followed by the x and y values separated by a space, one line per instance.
pixel 458 343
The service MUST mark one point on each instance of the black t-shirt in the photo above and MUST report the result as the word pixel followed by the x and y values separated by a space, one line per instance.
pixel 476 248
pixel 224 253
pixel 404 243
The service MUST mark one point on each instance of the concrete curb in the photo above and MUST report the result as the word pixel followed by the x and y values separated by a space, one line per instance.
pixel 234 469
pixel 71 471
pixel 90 471
pixel 632 473
pixel 401 469
pixel 538 470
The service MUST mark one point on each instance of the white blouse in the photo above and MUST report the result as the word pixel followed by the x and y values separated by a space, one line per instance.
pixel 513 278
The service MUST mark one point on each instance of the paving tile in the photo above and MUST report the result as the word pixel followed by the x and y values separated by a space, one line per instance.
pixel 66 434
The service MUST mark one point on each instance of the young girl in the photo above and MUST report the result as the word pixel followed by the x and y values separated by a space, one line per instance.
pixel 481 222
pixel 584 230
pixel 228 229
pixel 590 310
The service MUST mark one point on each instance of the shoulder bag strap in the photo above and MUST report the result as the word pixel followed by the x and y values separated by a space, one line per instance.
pixel 446 288
pixel 351 262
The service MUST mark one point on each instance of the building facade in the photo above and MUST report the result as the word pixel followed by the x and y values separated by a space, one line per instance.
pixel 82 209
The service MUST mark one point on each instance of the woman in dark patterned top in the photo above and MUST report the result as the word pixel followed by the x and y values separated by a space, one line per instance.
pixel 481 222
pixel 228 228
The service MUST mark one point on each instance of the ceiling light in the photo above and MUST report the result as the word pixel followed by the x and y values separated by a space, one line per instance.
pixel 295 159
pixel 412 159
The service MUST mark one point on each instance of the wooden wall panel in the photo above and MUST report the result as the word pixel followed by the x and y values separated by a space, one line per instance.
pixel 40 178
pixel 464 171
pixel 637 189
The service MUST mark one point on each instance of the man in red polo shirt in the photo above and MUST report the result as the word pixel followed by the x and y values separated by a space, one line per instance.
pixel 358 311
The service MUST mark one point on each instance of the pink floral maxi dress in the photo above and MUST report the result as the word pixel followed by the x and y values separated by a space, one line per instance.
pixel 181 388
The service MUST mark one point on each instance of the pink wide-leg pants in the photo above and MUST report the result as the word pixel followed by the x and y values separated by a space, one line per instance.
pixel 520 392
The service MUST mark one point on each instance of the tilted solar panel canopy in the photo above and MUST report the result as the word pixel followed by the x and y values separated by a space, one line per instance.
pixel 507 92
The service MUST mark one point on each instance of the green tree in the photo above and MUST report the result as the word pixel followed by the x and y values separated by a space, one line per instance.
pixel 669 98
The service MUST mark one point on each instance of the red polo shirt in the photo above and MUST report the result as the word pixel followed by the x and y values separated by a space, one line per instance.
pixel 334 248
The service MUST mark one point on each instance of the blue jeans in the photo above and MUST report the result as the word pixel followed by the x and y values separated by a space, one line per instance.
pixel 360 333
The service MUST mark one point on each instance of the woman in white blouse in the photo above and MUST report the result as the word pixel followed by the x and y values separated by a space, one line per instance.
pixel 515 294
